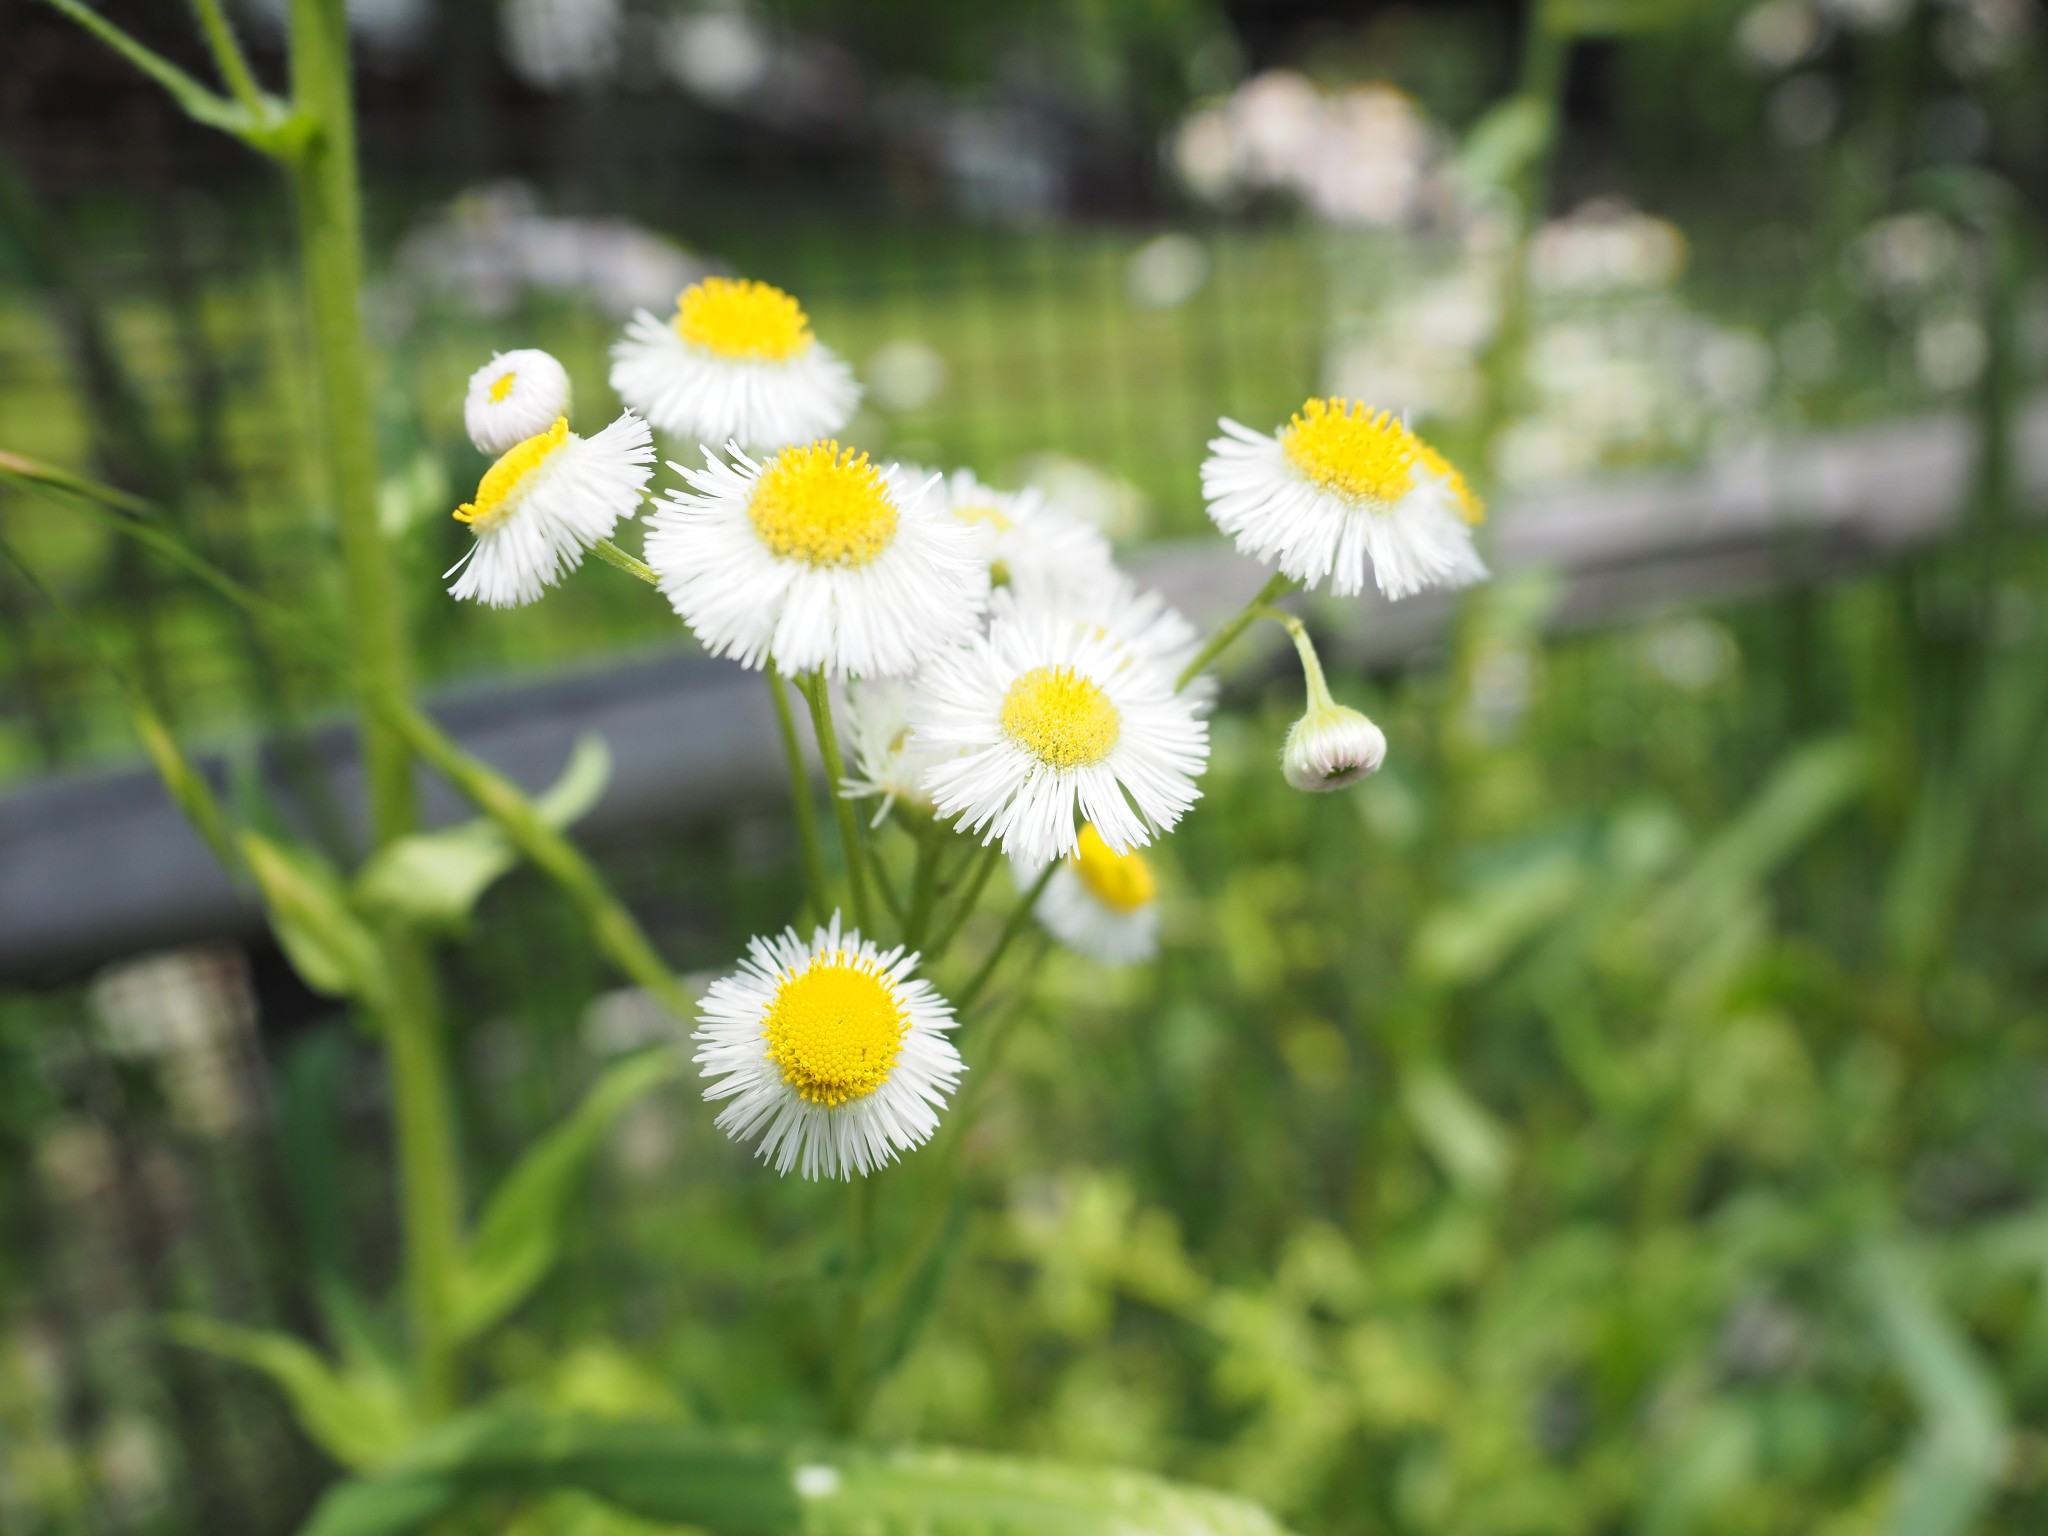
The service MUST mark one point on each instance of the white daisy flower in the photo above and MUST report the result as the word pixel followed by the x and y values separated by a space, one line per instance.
pixel 546 501
pixel 514 396
pixel 1138 618
pixel 834 1056
pixel 1340 484
pixel 1040 552
pixel 814 557
pixel 1099 903
pixel 1045 723
pixel 889 759
pixel 737 363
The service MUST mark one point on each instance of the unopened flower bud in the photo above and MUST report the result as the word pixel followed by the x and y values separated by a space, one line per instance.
pixel 1331 746
pixel 514 396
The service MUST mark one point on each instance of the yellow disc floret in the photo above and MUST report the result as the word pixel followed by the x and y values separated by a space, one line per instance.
pixel 740 318
pixel 836 1029
pixel 504 483
pixel 1060 717
pixel 1123 882
pixel 501 386
pixel 1363 455
pixel 1469 506
pixel 824 505
pixel 992 516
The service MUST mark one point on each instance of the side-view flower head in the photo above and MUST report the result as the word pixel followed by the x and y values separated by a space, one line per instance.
pixel 513 396
pixel 815 557
pixel 547 499
pixel 736 363
pixel 1338 486
pixel 889 761
pixel 1045 724
pixel 1033 548
pixel 1331 746
pixel 1098 902
pixel 833 1053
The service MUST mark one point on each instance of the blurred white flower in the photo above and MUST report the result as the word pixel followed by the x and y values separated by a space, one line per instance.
pixel 560 44
pixel 1905 254
pixel 513 396
pixel 905 375
pixel 1950 351
pixel 1369 160
pixel 1868 15
pixel 1108 503
pixel 1166 271
pixel 1803 110
pixel 1098 902
pixel 1778 34
pixel 720 55
pixel 1692 654
pixel 1276 117
pixel 1807 350
pixel 1205 154
pixel 1605 245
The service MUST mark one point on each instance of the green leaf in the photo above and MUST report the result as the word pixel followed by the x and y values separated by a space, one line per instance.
pixel 1952 1473
pixel 327 944
pixel 1459 1131
pixel 1506 142
pixel 743 1486
pixel 1464 942
pixel 521 1233
pixel 361 1417
pixel 436 878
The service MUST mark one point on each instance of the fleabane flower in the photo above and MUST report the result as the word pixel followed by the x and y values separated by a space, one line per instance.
pixel 833 1053
pixel 1137 618
pixel 1337 486
pixel 1098 902
pixel 889 759
pixel 547 499
pixel 1043 724
pixel 814 557
pixel 736 363
pixel 1331 746
pixel 514 396
pixel 1033 548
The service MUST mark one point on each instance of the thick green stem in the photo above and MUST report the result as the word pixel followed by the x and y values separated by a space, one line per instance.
pixel 820 698
pixel 802 808
pixel 1238 624
pixel 324 181
pixel 1015 926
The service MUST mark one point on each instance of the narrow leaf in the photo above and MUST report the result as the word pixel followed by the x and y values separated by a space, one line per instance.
pixel 526 1220
pixel 325 941
pixel 360 1419
pixel 741 1486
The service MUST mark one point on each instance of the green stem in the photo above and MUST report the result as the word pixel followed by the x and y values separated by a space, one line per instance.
pixel 850 1376
pixel 1221 640
pixel 1304 647
pixel 924 888
pixel 621 939
pixel 1011 929
pixel 227 56
pixel 801 805
pixel 325 181
pixel 611 554
pixel 985 865
pixel 878 872
pixel 820 698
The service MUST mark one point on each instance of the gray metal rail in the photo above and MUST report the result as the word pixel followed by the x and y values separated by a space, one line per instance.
pixel 94 866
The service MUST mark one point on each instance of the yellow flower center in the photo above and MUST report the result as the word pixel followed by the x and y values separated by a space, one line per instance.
pixel 741 318
pixel 824 505
pixel 1061 718
pixel 836 1030
pixel 1123 882
pixel 501 386
pixel 504 486
pixel 1361 454
pixel 992 516
pixel 1470 507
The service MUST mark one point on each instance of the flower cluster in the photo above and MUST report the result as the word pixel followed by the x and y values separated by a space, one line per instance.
pixel 1002 679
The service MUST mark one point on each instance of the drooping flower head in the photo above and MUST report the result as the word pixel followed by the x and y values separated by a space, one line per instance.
pixel 1033 548
pixel 815 557
pixel 551 494
pixel 514 396
pixel 1044 724
pixel 888 759
pixel 1331 746
pixel 833 1053
pixel 736 363
pixel 1338 486
pixel 1098 902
